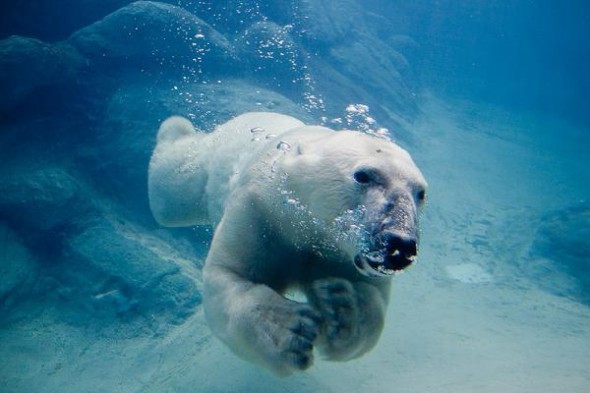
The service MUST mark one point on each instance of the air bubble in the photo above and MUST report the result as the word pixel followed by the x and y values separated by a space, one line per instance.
pixel 284 146
pixel 256 131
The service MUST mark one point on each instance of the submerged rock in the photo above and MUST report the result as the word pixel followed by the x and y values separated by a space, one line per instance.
pixel 40 198
pixel 18 268
pixel 27 63
pixel 272 55
pixel 147 33
pixel 385 80
pixel 52 20
pixel 114 268
pixel 67 246
pixel 327 22
pixel 560 252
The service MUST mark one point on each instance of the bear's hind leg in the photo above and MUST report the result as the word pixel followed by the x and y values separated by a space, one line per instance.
pixel 177 176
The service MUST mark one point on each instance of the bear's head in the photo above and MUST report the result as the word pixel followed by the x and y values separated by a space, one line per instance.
pixel 364 194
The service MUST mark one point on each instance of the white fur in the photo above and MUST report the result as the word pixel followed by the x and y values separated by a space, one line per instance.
pixel 281 196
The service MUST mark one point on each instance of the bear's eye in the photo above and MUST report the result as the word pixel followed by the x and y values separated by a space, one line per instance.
pixel 362 176
pixel 421 195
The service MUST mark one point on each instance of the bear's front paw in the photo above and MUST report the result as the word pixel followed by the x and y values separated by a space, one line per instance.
pixel 290 332
pixel 297 344
pixel 336 299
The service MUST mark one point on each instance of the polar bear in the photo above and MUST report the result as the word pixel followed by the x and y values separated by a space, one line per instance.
pixel 310 226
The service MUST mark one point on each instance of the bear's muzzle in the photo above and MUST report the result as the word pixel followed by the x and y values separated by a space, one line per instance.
pixel 391 253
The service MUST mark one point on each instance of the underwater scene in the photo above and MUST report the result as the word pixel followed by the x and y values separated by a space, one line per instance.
pixel 295 196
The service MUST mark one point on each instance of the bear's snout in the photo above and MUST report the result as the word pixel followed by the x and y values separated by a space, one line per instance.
pixel 390 252
pixel 400 249
pixel 406 244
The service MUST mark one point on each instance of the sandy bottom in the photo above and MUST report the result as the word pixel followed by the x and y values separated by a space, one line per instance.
pixel 466 318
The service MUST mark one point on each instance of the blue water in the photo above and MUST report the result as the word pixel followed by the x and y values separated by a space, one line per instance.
pixel 490 98
pixel 526 55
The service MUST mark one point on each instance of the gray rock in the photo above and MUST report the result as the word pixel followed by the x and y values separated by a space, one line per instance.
pixel 91 256
pixel 27 63
pixel 114 268
pixel 403 44
pixel 230 17
pixel 272 55
pixel 348 60
pixel 52 20
pixel 327 22
pixel 39 197
pixel 385 80
pixel 560 253
pixel 17 268
pixel 148 33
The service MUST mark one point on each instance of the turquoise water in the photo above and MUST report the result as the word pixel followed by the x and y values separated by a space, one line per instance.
pixel 490 98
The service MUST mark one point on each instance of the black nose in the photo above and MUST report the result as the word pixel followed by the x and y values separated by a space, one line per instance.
pixel 406 245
